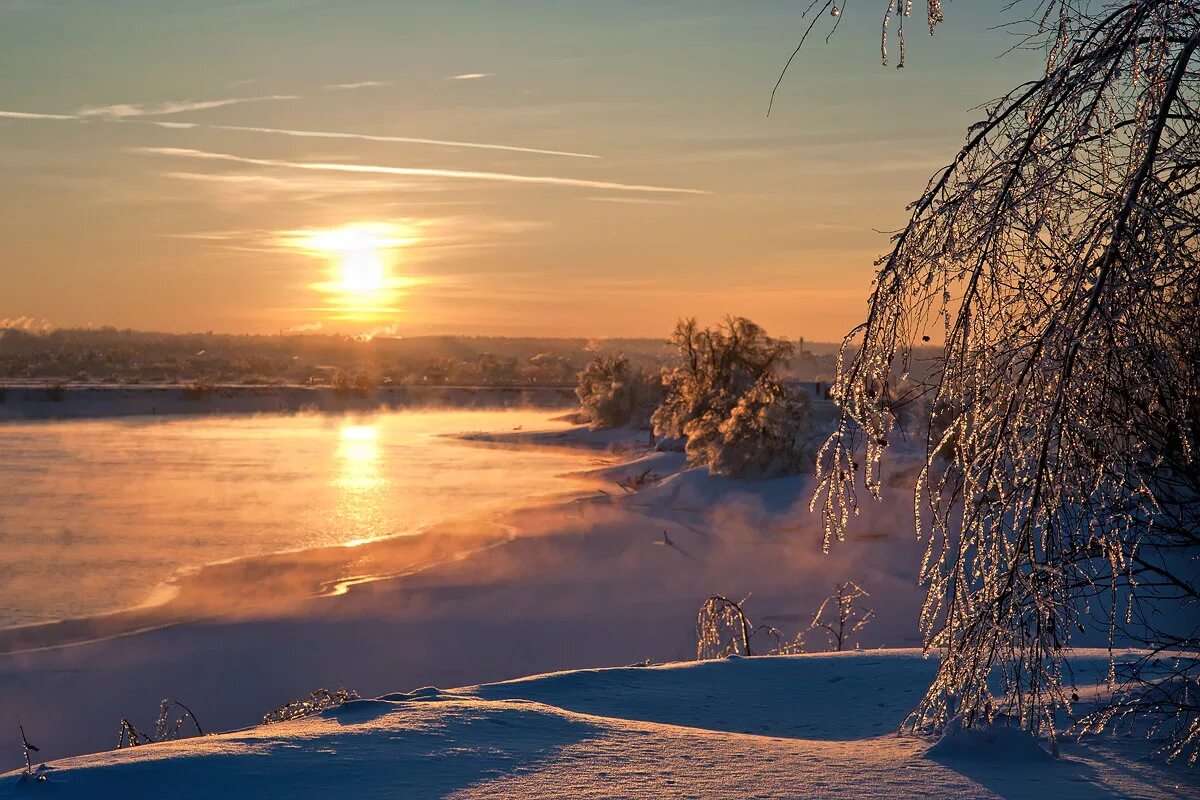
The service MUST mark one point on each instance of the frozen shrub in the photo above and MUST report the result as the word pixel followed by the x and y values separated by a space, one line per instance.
pixel 765 434
pixel 615 394
pixel 316 702
pixel 726 402
pixel 723 629
pixel 172 715
pixel 841 615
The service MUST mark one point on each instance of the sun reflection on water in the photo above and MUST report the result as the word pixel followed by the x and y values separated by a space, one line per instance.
pixel 361 478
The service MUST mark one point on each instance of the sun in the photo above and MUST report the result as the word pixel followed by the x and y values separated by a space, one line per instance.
pixel 362 272
pixel 360 258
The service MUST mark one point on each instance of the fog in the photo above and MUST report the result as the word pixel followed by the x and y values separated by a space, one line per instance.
pixel 104 515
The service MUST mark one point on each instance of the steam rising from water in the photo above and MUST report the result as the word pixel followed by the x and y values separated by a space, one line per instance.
pixel 98 514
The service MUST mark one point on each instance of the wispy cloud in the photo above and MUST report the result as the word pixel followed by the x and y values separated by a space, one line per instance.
pixel 123 110
pixel 423 172
pixel 368 137
pixel 126 114
pixel 337 87
pixel 252 186
pixel 469 76
pixel 32 115
pixel 641 201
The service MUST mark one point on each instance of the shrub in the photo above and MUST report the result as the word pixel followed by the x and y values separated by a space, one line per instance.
pixel 316 702
pixel 614 394
pixel 726 401
pixel 765 434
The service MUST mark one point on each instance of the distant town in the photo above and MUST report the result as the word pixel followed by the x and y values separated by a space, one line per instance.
pixel 128 357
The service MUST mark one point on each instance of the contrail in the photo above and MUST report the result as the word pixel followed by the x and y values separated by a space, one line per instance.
pixel 367 137
pixel 371 169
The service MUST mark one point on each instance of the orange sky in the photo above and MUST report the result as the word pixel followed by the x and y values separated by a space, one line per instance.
pixel 566 168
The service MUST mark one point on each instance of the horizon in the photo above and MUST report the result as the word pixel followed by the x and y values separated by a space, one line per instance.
pixel 554 170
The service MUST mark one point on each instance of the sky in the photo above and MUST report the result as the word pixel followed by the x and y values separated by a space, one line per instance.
pixel 592 168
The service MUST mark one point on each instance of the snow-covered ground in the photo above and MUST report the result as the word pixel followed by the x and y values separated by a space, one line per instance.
pixel 611 578
pixel 764 727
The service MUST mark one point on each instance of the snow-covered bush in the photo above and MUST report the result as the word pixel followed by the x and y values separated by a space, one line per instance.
pixel 316 702
pixel 726 402
pixel 765 434
pixel 613 393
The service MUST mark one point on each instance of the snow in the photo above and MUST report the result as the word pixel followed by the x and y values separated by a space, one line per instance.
pixel 764 727
pixel 576 585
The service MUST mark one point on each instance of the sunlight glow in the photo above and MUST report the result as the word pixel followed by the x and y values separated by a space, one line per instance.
pixel 361 257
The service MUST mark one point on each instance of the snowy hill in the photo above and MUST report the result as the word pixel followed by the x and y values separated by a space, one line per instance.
pixel 797 726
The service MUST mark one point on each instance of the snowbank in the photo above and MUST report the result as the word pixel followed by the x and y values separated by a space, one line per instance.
pixel 782 727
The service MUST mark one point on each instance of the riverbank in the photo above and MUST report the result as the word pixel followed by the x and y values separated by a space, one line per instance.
pixel 92 401
pixel 608 578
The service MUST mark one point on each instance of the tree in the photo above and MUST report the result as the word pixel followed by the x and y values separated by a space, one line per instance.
pixel 727 402
pixel 615 394
pixel 1056 257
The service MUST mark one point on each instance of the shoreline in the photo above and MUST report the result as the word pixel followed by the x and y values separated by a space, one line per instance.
pixel 33 402
pixel 604 579
pixel 276 583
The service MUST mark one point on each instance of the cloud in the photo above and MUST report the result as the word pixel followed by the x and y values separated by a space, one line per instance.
pixel 367 137
pixel 422 172
pixel 32 115
pixel 641 201
pixel 131 114
pixel 357 85
pixel 470 76
pixel 252 187
pixel 123 110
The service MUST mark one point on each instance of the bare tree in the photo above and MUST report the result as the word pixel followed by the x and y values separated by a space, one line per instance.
pixel 1056 257
pixel 841 616
pixel 723 629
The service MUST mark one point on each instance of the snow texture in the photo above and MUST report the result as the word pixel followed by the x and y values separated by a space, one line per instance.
pixel 774 727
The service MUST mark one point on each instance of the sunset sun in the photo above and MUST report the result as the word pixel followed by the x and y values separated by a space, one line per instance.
pixel 362 272
pixel 360 261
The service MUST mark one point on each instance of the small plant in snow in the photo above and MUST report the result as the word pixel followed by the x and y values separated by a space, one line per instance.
pixel 172 715
pixel 841 616
pixel 29 773
pixel 723 629
pixel 316 702
pixel 634 483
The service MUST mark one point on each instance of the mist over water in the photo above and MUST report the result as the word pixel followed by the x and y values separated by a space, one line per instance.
pixel 97 514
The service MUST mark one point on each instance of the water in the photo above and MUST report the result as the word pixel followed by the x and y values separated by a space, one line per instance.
pixel 94 515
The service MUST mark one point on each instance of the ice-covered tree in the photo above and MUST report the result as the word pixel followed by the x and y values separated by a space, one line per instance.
pixel 1056 258
pixel 613 393
pixel 727 402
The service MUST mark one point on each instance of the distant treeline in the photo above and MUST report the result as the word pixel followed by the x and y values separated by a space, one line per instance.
pixel 110 355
